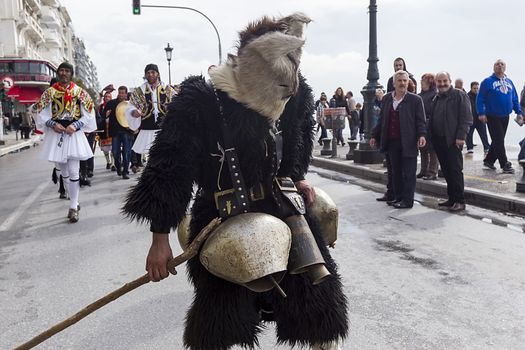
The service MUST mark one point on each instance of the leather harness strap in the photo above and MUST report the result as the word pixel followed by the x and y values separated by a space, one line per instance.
pixel 242 204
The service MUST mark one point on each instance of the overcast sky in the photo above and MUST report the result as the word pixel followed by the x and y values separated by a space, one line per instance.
pixel 464 37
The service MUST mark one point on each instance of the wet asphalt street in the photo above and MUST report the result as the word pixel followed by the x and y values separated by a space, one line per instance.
pixel 415 279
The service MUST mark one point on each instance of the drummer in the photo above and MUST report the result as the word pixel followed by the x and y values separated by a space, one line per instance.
pixel 149 104
pixel 121 135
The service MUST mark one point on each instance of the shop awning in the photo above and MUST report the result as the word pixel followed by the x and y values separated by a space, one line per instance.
pixel 25 94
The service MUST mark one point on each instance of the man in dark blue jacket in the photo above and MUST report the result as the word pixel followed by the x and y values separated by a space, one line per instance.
pixel 496 99
pixel 399 132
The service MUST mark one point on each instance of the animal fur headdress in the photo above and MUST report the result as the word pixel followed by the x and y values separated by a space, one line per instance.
pixel 264 73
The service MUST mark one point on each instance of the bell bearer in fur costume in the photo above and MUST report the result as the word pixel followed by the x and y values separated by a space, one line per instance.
pixel 245 139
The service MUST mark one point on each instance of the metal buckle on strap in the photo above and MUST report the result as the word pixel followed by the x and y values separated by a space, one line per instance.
pixel 217 195
pixel 285 184
pixel 258 194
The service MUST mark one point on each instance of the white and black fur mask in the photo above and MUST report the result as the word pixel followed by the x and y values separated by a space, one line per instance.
pixel 264 74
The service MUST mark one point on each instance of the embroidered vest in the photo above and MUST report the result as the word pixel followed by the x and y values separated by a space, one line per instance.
pixel 142 98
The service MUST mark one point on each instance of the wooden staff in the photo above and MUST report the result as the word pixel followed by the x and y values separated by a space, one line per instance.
pixel 190 252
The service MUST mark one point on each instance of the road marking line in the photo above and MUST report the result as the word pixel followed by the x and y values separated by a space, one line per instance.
pixel 11 219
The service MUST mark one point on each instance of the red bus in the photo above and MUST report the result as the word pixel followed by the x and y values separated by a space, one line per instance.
pixel 29 77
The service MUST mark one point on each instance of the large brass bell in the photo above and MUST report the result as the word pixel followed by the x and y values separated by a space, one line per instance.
pixel 305 256
pixel 325 212
pixel 250 249
pixel 183 231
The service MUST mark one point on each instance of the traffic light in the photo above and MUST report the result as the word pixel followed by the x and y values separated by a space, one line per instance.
pixel 136 7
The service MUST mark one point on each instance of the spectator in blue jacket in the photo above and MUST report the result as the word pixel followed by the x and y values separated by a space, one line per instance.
pixel 496 99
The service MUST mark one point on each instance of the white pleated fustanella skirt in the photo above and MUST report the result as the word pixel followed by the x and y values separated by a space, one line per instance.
pixel 144 140
pixel 61 147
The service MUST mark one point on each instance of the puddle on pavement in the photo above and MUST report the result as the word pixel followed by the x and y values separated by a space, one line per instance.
pixel 393 246
pixel 406 253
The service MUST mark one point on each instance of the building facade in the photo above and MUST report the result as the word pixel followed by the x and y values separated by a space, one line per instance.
pixel 84 67
pixel 35 37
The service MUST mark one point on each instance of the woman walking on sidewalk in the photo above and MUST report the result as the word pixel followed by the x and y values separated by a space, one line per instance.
pixel 339 100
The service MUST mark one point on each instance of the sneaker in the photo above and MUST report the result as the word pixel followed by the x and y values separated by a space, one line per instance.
pixel 108 166
pixel 489 165
pixel 62 195
pixel 470 151
pixel 508 169
pixel 430 177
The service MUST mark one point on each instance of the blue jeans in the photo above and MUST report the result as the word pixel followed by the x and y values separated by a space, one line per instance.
pixel 121 145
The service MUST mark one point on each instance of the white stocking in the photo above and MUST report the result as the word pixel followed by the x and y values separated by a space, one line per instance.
pixel 70 175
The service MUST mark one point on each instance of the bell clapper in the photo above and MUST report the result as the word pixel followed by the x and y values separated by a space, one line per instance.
pixel 277 286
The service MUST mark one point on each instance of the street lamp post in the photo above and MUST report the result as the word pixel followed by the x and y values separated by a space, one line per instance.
pixel 169 50
pixel 199 12
pixel 365 154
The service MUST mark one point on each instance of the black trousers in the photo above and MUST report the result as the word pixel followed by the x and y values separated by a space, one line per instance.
pixel 25 131
pixel 451 161
pixel 497 130
pixel 89 164
pixel 389 186
pixel 482 132
pixel 403 172
pixel 136 158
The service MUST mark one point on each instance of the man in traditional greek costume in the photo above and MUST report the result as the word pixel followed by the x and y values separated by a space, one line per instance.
pixel 65 112
pixel 149 105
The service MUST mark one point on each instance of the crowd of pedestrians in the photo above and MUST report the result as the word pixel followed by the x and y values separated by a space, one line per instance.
pixel 435 124
pixel 21 122
pixel 438 122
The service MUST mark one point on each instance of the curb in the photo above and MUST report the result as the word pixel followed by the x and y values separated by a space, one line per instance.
pixel 18 146
pixel 473 196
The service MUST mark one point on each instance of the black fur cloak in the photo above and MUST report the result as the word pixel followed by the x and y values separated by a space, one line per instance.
pixel 185 152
